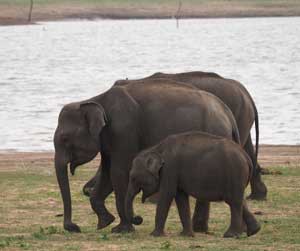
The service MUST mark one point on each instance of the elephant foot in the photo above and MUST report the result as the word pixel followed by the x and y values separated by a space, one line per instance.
pixel 72 227
pixel 187 233
pixel 253 228
pixel 105 221
pixel 157 233
pixel 257 196
pixel 258 189
pixel 123 228
pixel 232 234
pixel 200 228
pixel 245 227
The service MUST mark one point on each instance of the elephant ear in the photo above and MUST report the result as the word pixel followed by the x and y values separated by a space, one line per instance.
pixel 154 164
pixel 95 117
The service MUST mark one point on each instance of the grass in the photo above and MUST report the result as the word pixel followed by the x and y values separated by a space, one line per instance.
pixel 30 204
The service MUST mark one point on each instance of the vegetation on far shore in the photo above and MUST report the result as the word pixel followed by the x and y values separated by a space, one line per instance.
pixel 31 208
pixel 14 12
pixel 153 2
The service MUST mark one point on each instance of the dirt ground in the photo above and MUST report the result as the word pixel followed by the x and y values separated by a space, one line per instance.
pixel 18 14
pixel 269 155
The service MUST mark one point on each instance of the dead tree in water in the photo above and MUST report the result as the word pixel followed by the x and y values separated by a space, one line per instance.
pixel 30 10
pixel 177 15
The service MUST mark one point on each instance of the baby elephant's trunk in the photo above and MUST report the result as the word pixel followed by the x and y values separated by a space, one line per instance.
pixel 131 193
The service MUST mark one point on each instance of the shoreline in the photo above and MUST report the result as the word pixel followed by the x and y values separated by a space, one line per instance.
pixel 17 14
pixel 269 155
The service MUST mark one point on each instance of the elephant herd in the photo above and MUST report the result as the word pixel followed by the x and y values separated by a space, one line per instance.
pixel 185 134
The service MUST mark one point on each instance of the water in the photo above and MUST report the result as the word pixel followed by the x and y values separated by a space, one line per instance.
pixel 43 67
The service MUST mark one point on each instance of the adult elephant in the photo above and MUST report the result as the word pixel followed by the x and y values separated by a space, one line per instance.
pixel 240 102
pixel 123 121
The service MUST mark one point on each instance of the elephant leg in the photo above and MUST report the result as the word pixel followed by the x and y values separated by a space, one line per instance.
pixel 89 186
pixel 162 210
pixel 236 224
pixel 200 217
pixel 258 188
pixel 102 189
pixel 183 206
pixel 120 183
pixel 252 225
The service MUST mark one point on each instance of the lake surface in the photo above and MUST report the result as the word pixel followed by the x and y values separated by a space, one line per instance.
pixel 43 67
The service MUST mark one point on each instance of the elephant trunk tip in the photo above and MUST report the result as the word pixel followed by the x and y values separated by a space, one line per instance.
pixel 137 220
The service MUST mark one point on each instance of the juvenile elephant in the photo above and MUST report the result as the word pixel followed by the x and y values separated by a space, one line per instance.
pixel 205 166
pixel 238 99
pixel 121 122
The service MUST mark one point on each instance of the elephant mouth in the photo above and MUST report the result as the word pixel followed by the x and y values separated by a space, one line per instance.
pixel 73 166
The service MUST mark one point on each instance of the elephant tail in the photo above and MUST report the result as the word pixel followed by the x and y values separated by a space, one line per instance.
pixel 256 166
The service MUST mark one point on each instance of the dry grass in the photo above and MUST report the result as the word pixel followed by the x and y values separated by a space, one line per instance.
pixel 30 201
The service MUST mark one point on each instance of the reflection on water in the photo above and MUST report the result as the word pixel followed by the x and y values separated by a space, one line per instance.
pixel 45 66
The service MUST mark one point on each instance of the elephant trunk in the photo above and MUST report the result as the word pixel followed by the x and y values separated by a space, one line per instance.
pixel 131 193
pixel 61 164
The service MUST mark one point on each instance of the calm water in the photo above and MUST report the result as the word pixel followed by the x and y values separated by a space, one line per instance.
pixel 43 67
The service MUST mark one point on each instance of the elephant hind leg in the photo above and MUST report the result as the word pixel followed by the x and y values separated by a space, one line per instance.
pixel 252 225
pixel 200 217
pixel 236 225
pixel 258 188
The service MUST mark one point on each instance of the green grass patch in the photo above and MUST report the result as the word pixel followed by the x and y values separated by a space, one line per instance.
pixel 32 202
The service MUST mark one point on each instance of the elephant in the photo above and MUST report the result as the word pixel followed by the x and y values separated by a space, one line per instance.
pixel 121 122
pixel 238 99
pixel 205 166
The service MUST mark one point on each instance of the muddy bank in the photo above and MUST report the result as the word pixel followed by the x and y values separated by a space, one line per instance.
pixel 18 14
pixel 268 156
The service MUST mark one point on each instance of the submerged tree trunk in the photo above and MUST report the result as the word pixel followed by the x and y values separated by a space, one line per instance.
pixel 30 11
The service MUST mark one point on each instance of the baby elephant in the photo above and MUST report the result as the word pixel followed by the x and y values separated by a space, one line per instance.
pixel 207 167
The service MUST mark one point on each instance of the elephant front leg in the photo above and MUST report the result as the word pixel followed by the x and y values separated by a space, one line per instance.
pixel 120 183
pixel 162 210
pixel 102 189
pixel 200 217
pixel 183 205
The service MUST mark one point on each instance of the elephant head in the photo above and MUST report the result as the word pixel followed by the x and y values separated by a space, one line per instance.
pixel 144 176
pixel 76 141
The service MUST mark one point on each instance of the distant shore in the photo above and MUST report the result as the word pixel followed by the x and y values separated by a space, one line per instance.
pixel 269 156
pixel 16 12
